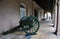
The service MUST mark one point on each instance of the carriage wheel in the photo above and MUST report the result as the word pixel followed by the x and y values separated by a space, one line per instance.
pixel 35 26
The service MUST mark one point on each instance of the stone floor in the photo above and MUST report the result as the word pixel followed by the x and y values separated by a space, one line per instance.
pixel 45 32
pixel 58 36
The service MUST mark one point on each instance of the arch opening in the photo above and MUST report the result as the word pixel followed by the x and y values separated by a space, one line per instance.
pixel 48 16
pixel 22 10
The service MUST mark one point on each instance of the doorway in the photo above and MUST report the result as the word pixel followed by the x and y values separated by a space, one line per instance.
pixel 36 13
pixel 22 10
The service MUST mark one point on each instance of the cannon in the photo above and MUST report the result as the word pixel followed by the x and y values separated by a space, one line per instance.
pixel 29 24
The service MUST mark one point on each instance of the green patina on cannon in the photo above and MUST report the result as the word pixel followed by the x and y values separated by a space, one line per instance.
pixel 29 25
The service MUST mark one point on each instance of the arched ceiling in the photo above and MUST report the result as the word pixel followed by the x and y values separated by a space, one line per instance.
pixel 46 4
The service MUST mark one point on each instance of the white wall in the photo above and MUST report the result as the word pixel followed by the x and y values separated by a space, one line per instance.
pixel 40 10
pixel 9 14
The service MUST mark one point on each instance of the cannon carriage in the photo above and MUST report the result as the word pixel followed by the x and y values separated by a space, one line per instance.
pixel 28 24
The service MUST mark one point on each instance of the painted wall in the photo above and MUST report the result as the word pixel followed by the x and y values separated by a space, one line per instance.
pixel 40 10
pixel 10 12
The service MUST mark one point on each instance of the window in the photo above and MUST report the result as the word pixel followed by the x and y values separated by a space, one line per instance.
pixel 22 10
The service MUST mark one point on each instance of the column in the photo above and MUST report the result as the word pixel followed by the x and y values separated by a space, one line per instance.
pixel 55 20
pixel 55 15
pixel 58 19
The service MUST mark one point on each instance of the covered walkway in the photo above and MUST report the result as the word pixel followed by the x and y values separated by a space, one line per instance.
pixel 11 11
pixel 45 32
